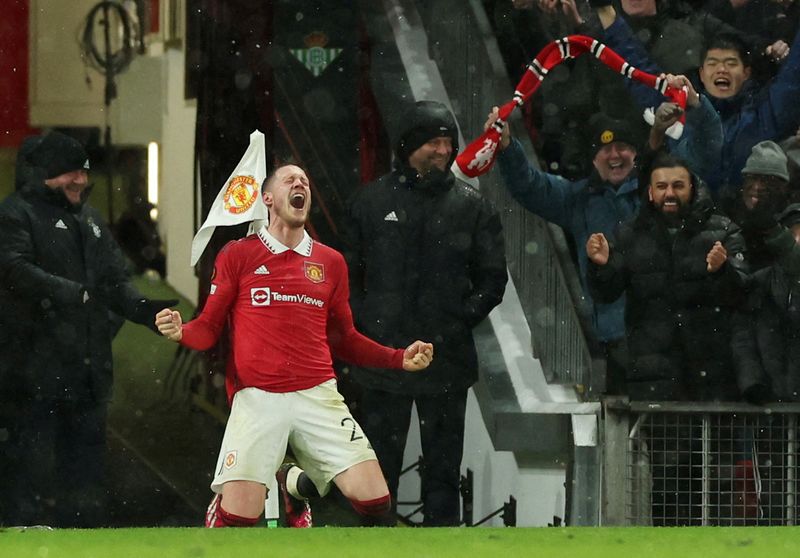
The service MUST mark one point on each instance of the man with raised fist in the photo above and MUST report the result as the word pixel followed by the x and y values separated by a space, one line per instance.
pixel 285 299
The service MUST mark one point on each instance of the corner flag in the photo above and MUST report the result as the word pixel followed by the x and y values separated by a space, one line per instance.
pixel 239 200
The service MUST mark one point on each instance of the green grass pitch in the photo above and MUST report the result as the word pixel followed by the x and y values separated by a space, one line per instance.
pixel 638 542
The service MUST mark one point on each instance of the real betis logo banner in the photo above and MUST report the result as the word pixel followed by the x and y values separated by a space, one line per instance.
pixel 316 57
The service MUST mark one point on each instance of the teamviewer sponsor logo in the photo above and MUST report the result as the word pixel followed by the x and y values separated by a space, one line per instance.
pixel 298 299
pixel 264 296
pixel 260 296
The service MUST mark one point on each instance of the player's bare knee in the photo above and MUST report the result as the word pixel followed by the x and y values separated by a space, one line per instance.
pixel 244 498
pixel 363 481
pixel 217 516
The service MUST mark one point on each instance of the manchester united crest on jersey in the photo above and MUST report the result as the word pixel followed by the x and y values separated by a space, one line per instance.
pixel 314 272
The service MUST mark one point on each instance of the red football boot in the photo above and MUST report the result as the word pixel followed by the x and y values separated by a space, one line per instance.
pixel 297 512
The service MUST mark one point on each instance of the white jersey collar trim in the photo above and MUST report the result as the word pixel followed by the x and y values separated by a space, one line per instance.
pixel 277 247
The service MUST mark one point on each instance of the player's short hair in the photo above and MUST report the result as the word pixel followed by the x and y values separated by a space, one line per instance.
pixel 278 166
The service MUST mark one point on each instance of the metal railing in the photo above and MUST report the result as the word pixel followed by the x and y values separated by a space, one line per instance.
pixel 701 464
pixel 463 45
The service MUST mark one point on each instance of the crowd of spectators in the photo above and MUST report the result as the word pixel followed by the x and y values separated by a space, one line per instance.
pixel 691 252
pixel 688 248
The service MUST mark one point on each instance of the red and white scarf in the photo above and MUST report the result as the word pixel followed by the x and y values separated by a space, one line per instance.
pixel 479 156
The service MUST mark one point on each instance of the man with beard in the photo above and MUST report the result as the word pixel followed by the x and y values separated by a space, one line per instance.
pixel 285 298
pixel 681 266
pixel 422 240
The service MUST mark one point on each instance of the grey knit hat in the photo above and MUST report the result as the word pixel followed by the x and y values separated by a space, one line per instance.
pixel 767 158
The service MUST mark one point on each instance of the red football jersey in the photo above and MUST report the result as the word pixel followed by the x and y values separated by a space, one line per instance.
pixel 287 309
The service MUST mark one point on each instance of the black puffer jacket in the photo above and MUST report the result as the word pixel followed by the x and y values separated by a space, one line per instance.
pixel 53 344
pixel 678 315
pixel 427 262
pixel 770 366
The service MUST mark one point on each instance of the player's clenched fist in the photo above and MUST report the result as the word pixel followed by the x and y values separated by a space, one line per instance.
pixel 597 249
pixel 170 324
pixel 417 356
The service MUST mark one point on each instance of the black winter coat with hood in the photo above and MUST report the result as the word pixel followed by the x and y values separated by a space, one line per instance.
pixel 678 315
pixel 60 274
pixel 427 262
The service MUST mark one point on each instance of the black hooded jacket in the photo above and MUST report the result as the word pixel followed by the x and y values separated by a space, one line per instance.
pixel 427 262
pixel 60 273
pixel 678 315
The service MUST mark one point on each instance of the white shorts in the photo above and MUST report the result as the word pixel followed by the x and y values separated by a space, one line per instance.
pixel 315 422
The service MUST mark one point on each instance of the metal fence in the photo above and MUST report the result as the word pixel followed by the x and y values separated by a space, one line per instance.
pixel 701 464
pixel 463 45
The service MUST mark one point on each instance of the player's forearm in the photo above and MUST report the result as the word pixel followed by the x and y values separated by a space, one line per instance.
pixel 199 336
pixel 358 349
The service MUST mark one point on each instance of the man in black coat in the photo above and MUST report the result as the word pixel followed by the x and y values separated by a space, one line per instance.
pixel 770 344
pixel 681 265
pixel 426 259
pixel 61 274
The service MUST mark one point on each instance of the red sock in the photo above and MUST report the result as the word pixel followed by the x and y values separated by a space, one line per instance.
pixel 216 516
pixel 375 513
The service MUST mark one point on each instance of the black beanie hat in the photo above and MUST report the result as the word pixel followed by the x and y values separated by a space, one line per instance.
pixel 604 130
pixel 57 154
pixel 423 122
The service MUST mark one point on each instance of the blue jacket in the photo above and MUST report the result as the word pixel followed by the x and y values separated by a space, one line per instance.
pixel 580 208
pixel 589 205
pixel 771 112
pixel 701 143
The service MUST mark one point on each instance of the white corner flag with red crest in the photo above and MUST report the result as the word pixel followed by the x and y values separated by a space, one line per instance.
pixel 239 200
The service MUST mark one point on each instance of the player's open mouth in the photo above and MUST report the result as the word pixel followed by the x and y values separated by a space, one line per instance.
pixel 298 201
pixel 722 83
